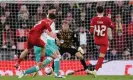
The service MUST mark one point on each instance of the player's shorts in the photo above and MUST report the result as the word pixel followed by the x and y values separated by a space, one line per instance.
pixel 51 47
pixel 72 51
pixel 34 41
pixel 103 48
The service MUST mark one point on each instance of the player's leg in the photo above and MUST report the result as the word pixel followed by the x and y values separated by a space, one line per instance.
pixel 52 50
pixel 57 63
pixel 41 44
pixel 25 52
pixel 57 58
pixel 36 68
pixel 22 55
pixel 40 65
pixel 37 51
pixel 60 52
pixel 80 56
pixel 103 50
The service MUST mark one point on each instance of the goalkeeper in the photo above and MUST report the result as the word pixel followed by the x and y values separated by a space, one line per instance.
pixel 67 41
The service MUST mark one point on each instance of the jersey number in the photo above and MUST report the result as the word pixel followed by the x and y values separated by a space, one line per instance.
pixel 100 31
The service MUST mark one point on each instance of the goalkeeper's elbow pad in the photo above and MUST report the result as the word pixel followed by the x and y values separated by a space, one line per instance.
pixel 80 50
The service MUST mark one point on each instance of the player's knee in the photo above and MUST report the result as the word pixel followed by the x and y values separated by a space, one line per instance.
pixel 59 56
pixel 102 55
pixel 79 55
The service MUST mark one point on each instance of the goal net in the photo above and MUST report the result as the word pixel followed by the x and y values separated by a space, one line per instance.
pixel 17 17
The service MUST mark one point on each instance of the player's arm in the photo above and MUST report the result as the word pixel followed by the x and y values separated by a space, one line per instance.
pixel 49 30
pixel 92 27
pixel 58 42
pixel 50 33
pixel 111 24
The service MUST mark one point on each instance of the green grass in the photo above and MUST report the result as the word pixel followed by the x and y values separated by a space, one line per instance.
pixel 69 78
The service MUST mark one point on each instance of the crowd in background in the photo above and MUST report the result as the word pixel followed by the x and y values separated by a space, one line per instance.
pixel 17 19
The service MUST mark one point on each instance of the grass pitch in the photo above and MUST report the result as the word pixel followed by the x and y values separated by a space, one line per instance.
pixel 69 78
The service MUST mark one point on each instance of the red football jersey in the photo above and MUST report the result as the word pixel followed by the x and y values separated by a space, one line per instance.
pixel 42 25
pixel 99 26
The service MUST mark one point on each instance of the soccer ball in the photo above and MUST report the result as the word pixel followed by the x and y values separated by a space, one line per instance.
pixel 48 70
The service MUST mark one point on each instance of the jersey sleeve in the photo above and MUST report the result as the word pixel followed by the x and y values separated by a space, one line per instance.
pixel 53 27
pixel 111 24
pixel 47 25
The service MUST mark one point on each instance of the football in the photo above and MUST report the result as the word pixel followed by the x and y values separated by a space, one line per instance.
pixel 48 70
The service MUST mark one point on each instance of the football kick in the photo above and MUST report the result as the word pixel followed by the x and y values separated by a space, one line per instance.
pixel 40 45
pixel 45 43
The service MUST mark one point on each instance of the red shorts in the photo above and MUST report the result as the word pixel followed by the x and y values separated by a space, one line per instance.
pixel 103 48
pixel 34 41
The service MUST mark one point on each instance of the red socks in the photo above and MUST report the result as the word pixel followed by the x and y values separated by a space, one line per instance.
pixel 99 63
pixel 42 58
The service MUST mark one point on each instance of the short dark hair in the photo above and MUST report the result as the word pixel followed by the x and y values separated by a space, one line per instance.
pixel 52 7
pixel 100 9
pixel 52 16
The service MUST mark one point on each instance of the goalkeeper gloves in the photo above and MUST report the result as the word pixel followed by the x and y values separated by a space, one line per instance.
pixel 81 50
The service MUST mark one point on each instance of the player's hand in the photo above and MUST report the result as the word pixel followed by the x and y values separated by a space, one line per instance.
pixel 81 50
pixel 58 42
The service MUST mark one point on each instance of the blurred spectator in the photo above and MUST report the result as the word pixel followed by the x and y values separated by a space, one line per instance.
pixel 57 6
pixel 39 15
pixel 112 55
pixel 23 13
pixel 101 3
pixel 126 54
pixel 83 20
pixel 118 7
pixel 83 14
pixel 59 18
pixel 130 34
pixel 119 35
pixel 21 38
pixel 71 21
pixel 2 25
pixel 89 10
pixel 3 19
pixel 119 3
pixel 2 7
pixel 71 5
pixel 24 18
pixel 119 25
pixel 83 36
pixel 8 38
pixel 7 12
